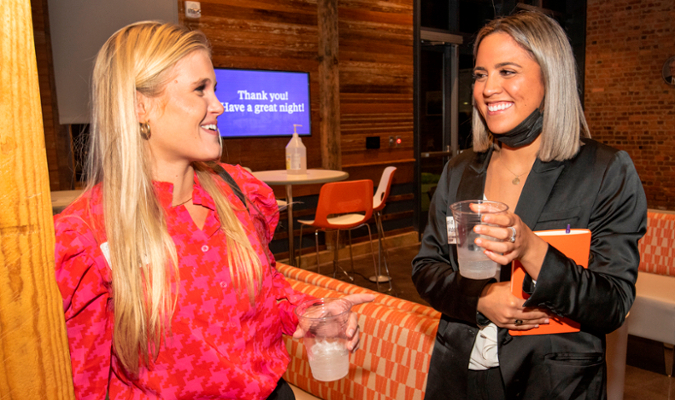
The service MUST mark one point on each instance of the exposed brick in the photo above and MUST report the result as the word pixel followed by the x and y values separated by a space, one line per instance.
pixel 627 103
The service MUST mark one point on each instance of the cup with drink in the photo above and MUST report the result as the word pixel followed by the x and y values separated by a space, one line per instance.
pixel 325 324
pixel 473 263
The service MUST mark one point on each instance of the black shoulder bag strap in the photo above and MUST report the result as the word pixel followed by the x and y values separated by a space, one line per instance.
pixel 224 175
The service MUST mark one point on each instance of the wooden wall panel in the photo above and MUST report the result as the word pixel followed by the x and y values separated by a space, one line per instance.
pixel 376 88
pixel 376 72
pixel 264 34
pixel 57 136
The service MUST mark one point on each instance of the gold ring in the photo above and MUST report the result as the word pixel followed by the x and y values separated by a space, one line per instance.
pixel 518 322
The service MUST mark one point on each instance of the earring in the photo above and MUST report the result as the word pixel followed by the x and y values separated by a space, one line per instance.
pixel 145 130
pixel 220 142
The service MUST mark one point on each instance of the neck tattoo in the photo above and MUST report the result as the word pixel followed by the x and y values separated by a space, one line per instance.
pixel 180 204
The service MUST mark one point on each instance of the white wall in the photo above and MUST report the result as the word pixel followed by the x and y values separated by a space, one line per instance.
pixel 78 29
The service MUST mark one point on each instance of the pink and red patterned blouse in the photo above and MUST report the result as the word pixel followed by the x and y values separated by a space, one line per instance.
pixel 221 347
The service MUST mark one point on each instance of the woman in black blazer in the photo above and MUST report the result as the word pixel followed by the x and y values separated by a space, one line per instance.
pixel 531 150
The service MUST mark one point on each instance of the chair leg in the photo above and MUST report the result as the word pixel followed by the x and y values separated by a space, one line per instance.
pixel 672 365
pixel 383 250
pixel 351 256
pixel 316 244
pixel 381 254
pixel 336 264
pixel 299 248
pixel 372 253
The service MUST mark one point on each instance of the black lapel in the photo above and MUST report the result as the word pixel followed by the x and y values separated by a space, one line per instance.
pixel 537 189
pixel 472 184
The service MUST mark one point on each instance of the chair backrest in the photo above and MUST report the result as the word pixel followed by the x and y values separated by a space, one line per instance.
pixel 344 198
pixel 380 198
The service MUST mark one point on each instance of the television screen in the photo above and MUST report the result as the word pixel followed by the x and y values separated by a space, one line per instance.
pixel 263 103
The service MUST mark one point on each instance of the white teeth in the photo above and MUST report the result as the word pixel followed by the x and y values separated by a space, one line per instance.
pixel 499 106
pixel 211 127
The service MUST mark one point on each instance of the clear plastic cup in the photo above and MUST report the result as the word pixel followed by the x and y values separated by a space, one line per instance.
pixel 473 263
pixel 325 324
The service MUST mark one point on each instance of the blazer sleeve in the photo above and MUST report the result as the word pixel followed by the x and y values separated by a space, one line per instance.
pixel 83 279
pixel 600 296
pixel 435 272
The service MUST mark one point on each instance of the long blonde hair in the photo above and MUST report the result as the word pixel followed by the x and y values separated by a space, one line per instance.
pixel 547 43
pixel 145 278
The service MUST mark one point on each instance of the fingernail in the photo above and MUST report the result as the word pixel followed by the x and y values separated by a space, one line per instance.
pixel 546 321
pixel 350 332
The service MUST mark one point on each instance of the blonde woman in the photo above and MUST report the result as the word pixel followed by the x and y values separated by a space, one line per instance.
pixel 531 150
pixel 169 288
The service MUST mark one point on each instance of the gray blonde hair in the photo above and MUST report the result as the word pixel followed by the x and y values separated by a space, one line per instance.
pixel 140 58
pixel 564 120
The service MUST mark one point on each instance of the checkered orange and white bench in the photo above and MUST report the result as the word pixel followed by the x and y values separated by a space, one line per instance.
pixel 653 313
pixel 396 344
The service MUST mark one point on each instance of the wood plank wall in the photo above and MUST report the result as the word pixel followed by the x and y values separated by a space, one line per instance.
pixel 376 86
pixel 57 137
pixel 376 70
pixel 264 34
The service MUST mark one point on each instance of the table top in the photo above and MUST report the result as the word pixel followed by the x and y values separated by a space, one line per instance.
pixel 281 177
pixel 62 198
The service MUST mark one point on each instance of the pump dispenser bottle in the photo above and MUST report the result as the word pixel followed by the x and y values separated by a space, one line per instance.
pixel 296 155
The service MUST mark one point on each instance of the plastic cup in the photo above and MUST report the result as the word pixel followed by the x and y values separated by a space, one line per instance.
pixel 473 263
pixel 325 324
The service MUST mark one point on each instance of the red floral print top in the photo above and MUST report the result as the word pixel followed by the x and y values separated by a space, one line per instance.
pixel 221 347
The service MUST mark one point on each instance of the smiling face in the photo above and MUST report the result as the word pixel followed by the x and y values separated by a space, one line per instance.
pixel 508 83
pixel 183 118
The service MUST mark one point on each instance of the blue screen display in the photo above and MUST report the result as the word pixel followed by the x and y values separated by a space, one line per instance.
pixel 263 103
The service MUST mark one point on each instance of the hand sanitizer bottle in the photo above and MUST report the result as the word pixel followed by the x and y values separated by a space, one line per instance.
pixel 296 155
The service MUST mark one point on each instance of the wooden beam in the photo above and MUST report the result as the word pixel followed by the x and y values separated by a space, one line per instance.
pixel 329 84
pixel 33 344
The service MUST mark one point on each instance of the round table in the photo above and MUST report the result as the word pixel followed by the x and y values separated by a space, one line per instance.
pixel 282 177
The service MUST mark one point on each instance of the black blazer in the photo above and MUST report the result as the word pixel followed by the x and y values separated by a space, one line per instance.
pixel 598 189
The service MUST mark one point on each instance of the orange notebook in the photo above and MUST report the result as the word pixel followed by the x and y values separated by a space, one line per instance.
pixel 576 245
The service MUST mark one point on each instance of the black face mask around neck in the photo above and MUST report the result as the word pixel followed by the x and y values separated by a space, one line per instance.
pixel 525 133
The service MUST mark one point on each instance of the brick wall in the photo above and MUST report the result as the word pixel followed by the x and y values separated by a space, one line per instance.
pixel 628 104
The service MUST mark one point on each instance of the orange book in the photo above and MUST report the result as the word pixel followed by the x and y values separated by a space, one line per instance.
pixel 576 245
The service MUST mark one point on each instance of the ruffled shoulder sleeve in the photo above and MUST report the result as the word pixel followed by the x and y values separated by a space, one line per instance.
pixel 262 204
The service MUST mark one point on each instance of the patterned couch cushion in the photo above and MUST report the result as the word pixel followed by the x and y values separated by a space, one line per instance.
pixel 396 344
pixel 657 247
